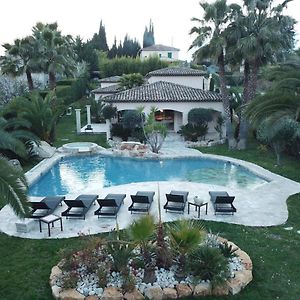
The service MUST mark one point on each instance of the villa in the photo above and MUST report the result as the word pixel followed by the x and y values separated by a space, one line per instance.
pixel 173 101
pixel 163 52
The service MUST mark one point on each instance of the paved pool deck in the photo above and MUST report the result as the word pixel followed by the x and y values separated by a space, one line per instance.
pixel 263 206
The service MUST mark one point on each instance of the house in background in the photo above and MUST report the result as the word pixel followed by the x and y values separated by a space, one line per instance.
pixel 172 100
pixel 180 75
pixel 166 53
pixel 108 86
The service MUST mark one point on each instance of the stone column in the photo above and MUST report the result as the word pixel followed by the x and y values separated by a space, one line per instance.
pixel 88 114
pixel 108 126
pixel 78 120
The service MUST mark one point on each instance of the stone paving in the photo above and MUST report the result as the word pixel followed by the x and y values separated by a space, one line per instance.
pixel 262 206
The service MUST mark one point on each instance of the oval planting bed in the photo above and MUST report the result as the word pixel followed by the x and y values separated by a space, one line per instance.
pixel 119 267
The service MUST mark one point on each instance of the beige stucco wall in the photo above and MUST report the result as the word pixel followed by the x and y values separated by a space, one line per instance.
pixel 164 55
pixel 181 110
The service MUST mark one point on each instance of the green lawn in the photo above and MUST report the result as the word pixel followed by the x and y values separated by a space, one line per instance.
pixel 66 133
pixel 26 264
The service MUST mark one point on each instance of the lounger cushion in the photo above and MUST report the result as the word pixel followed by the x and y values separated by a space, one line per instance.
pixel 47 205
pixel 223 203
pixel 110 205
pixel 141 202
pixel 80 206
pixel 176 201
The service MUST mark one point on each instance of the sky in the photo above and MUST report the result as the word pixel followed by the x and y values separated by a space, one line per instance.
pixel 171 18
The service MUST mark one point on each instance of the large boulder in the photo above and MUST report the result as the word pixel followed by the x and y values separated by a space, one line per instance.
pixel 43 150
pixel 134 295
pixel 112 293
pixel 169 293
pixel 202 289
pixel 183 290
pixel 71 294
pixel 154 293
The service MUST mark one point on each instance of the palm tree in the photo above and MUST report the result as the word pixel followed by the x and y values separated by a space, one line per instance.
pixel 142 232
pixel 211 43
pixel 20 58
pixel 42 114
pixel 185 237
pixel 14 134
pixel 56 53
pixel 129 81
pixel 259 36
pixel 13 188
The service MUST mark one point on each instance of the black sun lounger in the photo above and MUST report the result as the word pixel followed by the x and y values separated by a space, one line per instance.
pixel 176 201
pixel 222 202
pixel 141 202
pixel 45 207
pixel 79 207
pixel 110 205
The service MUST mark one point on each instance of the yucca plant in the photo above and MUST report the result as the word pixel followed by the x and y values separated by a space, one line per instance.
pixel 185 237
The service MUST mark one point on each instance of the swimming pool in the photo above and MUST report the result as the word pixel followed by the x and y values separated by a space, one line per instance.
pixel 74 174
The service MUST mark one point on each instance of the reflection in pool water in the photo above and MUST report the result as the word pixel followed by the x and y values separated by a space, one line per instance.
pixel 76 173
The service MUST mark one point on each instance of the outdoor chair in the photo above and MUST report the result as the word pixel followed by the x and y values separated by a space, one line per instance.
pixel 89 128
pixel 222 202
pixel 45 207
pixel 176 201
pixel 110 205
pixel 141 202
pixel 79 207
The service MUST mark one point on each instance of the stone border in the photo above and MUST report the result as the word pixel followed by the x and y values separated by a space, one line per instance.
pixel 234 285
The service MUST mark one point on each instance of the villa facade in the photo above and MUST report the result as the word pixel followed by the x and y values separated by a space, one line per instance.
pixel 173 102
pixel 166 53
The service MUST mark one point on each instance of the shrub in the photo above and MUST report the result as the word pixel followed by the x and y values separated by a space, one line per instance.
pixel 119 131
pixel 102 276
pixel 200 116
pixel 128 283
pixel 131 119
pixel 209 264
pixel 69 280
pixel 109 112
pixel 193 132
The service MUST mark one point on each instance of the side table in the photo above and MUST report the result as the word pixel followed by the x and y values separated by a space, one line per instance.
pixel 197 207
pixel 49 220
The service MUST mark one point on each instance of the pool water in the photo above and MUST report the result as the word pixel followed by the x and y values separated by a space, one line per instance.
pixel 76 173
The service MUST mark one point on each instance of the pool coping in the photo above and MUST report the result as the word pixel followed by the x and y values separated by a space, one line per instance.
pixel 263 206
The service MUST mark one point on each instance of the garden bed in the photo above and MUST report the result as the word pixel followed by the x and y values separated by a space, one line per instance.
pixel 119 269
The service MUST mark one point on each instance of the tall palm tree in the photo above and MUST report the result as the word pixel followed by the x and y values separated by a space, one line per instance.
pixel 259 35
pixel 56 53
pixel 13 188
pixel 283 100
pixel 211 43
pixel 20 58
